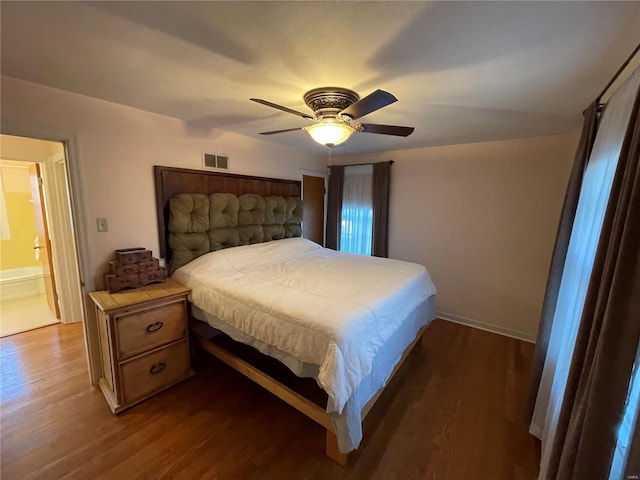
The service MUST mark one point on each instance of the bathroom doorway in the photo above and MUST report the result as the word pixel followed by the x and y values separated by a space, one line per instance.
pixel 39 274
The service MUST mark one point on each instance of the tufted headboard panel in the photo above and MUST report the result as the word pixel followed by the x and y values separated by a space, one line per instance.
pixel 200 224
pixel 172 181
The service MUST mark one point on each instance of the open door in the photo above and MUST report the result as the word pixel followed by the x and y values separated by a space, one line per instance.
pixel 313 208
pixel 43 245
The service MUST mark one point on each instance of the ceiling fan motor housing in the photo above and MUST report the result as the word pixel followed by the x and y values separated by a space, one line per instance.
pixel 329 101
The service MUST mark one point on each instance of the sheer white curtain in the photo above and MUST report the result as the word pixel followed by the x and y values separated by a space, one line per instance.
pixel 587 225
pixel 627 426
pixel 356 233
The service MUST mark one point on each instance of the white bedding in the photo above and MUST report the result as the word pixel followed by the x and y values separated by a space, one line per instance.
pixel 327 308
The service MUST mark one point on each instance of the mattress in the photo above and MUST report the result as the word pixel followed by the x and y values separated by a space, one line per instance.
pixel 330 309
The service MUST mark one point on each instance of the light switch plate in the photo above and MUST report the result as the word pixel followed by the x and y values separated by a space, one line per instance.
pixel 103 226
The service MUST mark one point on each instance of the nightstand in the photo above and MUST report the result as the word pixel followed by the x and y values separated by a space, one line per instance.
pixel 143 341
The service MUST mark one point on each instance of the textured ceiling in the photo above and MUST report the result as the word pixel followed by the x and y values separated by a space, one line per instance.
pixel 462 71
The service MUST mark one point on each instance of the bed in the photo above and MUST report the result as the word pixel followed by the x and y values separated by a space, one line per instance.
pixel 344 320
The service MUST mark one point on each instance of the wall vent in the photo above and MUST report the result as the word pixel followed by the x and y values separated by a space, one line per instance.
pixel 211 160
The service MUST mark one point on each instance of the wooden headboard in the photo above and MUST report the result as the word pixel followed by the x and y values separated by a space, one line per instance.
pixel 171 181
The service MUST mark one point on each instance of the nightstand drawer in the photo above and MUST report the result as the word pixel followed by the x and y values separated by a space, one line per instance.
pixel 144 375
pixel 144 330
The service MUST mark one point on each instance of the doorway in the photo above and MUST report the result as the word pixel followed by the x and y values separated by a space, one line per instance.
pixel 313 206
pixel 38 255
pixel 23 302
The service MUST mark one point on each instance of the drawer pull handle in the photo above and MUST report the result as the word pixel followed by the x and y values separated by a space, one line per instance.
pixel 157 368
pixel 154 327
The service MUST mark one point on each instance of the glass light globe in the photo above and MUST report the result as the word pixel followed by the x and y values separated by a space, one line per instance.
pixel 330 133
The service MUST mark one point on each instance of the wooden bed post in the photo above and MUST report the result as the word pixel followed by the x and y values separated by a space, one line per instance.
pixel 332 450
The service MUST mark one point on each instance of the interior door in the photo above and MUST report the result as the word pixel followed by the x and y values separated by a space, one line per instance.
pixel 43 247
pixel 313 208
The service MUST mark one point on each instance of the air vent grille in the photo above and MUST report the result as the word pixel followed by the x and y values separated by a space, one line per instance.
pixel 211 160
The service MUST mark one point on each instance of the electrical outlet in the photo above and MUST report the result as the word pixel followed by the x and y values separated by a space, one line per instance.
pixel 103 226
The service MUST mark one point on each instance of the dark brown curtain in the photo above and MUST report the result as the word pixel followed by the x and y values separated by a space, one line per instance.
pixel 569 207
pixel 334 206
pixel 381 188
pixel 608 335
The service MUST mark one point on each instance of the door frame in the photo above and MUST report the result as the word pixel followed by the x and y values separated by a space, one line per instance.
pixel 325 175
pixel 61 227
pixel 77 200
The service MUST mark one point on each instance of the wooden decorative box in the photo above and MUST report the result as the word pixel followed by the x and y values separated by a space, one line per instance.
pixel 133 268
pixel 128 256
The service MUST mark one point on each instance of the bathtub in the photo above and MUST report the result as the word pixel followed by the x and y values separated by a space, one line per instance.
pixel 18 283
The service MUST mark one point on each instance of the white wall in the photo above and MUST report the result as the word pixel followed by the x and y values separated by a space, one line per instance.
pixel 116 149
pixel 482 217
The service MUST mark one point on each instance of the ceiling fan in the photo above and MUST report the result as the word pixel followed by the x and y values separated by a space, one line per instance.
pixel 335 109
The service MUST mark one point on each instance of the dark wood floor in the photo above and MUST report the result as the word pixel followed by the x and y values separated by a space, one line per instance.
pixel 454 411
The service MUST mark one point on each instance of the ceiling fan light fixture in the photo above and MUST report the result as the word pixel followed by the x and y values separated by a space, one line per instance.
pixel 334 110
pixel 330 133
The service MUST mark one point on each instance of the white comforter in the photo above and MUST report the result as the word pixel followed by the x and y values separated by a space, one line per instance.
pixel 323 307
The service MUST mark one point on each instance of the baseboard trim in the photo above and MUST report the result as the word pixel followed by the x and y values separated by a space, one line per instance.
pixel 507 332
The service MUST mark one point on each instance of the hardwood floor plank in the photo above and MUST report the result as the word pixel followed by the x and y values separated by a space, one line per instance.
pixel 454 411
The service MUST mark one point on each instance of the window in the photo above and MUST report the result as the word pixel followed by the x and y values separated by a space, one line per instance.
pixel 626 427
pixel 356 233
pixel 585 235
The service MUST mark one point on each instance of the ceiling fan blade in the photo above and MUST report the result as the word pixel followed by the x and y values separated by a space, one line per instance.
pixel 386 129
pixel 372 102
pixel 281 131
pixel 280 107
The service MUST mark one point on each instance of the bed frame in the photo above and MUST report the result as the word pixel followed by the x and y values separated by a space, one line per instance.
pixel 170 181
